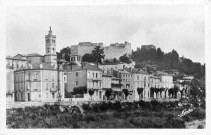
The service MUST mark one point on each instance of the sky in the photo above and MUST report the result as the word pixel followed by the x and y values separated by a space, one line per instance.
pixel 179 27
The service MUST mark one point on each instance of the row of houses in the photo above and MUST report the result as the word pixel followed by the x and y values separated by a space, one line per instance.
pixel 36 78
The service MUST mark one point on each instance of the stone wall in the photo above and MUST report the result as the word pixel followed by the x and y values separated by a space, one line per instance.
pixel 113 51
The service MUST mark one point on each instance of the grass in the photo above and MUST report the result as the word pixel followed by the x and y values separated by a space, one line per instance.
pixel 105 116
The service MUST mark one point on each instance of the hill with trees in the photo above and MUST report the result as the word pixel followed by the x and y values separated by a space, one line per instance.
pixel 156 59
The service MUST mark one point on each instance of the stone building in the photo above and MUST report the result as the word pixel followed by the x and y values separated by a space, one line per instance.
pixel 147 47
pixel 115 50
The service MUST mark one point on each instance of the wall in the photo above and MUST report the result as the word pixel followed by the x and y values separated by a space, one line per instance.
pixel 116 51
pixel 72 78
pixel 106 82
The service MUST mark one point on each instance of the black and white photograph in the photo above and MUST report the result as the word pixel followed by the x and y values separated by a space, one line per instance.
pixel 105 66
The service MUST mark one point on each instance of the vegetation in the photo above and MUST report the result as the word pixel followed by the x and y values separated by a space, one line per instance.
pixel 165 61
pixel 97 55
pixel 108 93
pixel 125 59
pixel 140 91
pixel 126 92
pixel 139 114
pixel 91 92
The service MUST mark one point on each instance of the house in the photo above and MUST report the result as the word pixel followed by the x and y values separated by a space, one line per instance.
pixel 140 80
pixel 89 76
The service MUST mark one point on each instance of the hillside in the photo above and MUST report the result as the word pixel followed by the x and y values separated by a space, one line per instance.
pixel 155 59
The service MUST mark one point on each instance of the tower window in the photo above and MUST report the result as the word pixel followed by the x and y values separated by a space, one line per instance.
pixel 47 41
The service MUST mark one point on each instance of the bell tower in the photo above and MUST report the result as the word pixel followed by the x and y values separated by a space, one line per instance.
pixel 50 49
pixel 50 43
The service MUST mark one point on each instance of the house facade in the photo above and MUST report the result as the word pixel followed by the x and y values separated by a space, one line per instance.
pixel 88 76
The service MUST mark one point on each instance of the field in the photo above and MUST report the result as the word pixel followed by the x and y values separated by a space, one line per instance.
pixel 105 115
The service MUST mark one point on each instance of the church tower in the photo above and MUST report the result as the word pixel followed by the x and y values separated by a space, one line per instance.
pixel 50 48
pixel 50 43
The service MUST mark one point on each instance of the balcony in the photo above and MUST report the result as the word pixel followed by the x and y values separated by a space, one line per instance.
pixel 116 85
pixel 93 87
pixel 95 78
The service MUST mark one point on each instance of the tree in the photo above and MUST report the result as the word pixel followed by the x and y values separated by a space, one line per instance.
pixel 91 92
pixel 80 90
pixel 65 53
pixel 108 93
pixel 152 90
pixel 125 59
pixel 68 94
pixel 88 58
pixel 126 92
pixel 98 54
pixel 161 90
pixel 140 91
pixel 156 90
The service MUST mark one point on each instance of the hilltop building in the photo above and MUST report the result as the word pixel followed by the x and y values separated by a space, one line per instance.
pixel 115 50
pixel 147 47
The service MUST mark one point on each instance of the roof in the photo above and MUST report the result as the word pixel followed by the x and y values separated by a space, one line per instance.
pixel 123 71
pixel 107 75
pixel 34 54
pixel 154 77
pixel 92 67
pixel 137 71
pixel 162 74
pixel 113 63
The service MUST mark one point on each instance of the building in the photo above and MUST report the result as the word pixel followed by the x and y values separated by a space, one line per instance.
pixel 108 68
pixel 116 87
pixel 10 85
pixel 147 47
pixel 140 80
pixel 38 85
pixel 88 76
pixel 37 80
pixel 17 62
pixel 126 81
pixel 83 48
pixel 115 50
pixel 106 81
pixel 154 82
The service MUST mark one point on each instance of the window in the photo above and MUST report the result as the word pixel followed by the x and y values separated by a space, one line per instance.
pixel 47 41
pixel 47 86
pixel 53 41
pixel 53 95
pixel 93 75
pixel 76 82
pixel 76 73
pixel 137 77
pixel 53 85
pixel 96 75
